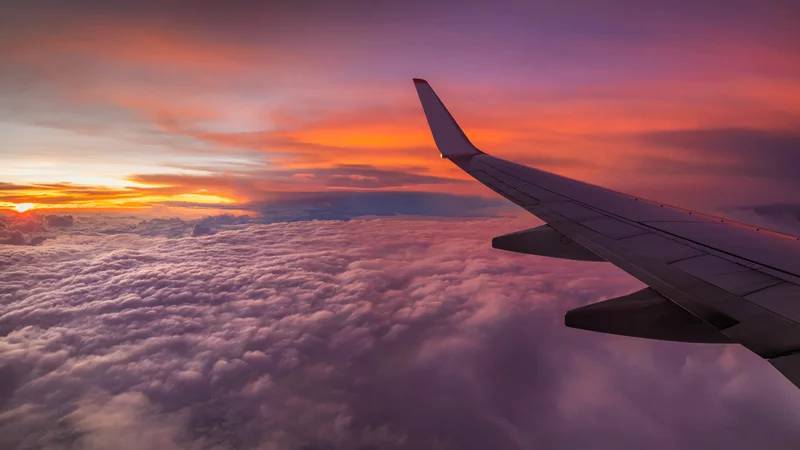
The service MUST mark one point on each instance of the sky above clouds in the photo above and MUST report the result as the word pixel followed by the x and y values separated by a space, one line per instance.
pixel 109 105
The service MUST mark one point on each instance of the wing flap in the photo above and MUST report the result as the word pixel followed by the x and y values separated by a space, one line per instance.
pixel 782 298
pixel 543 241
pixel 645 314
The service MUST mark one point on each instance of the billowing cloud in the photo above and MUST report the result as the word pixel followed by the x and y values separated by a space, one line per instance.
pixel 63 221
pixel 379 333
pixel 31 229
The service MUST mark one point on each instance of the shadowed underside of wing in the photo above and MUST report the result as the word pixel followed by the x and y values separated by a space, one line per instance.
pixel 710 279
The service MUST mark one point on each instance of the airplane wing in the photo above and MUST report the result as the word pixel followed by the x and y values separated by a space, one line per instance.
pixel 710 279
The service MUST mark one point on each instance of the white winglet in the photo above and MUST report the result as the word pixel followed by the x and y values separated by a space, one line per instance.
pixel 452 142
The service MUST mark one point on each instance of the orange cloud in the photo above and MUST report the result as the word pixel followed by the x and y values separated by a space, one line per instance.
pixel 69 196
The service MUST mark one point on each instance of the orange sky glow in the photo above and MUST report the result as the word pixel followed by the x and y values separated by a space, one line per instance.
pixel 128 114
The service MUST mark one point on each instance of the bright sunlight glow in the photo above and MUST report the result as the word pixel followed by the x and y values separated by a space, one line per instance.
pixel 22 207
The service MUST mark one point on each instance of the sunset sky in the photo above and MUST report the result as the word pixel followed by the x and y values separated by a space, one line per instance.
pixel 112 106
pixel 224 225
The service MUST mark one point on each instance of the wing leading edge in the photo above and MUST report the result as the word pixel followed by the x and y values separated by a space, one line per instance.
pixel 710 279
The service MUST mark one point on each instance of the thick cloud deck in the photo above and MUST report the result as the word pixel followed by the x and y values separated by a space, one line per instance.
pixel 385 333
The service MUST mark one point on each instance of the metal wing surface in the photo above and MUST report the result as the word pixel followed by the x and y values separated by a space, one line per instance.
pixel 710 279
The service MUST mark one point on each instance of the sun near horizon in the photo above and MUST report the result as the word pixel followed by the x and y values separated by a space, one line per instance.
pixel 23 207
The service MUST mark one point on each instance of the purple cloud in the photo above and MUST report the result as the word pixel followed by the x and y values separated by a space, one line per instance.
pixel 371 333
pixel 31 229
pixel 732 150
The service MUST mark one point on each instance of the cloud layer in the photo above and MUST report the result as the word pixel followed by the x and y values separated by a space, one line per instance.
pixel 381 333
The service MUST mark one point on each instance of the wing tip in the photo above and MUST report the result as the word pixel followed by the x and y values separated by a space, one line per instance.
pixel 449 138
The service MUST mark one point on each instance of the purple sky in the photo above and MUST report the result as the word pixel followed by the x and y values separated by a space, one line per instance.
pixel 106 105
